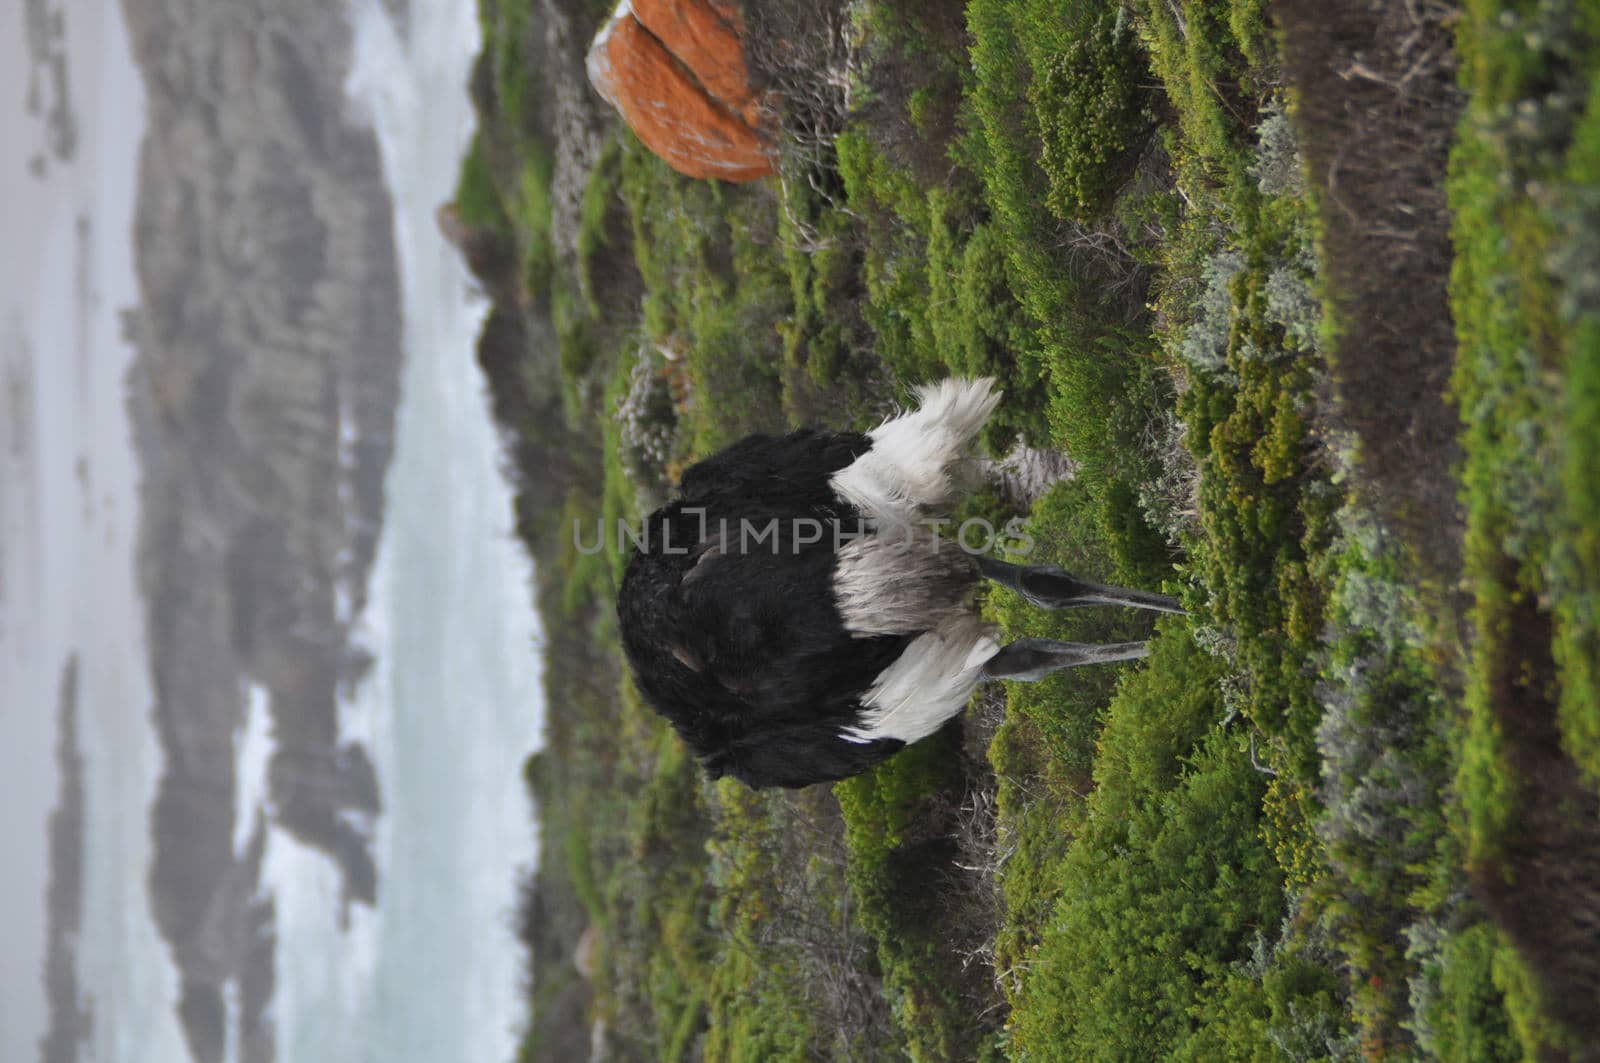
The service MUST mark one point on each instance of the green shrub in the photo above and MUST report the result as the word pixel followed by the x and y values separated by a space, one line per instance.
pixel 1085 92
pixel 1576 561
pixel 1064 528
pixel 1457 1010
pixel 1153 902
pixel 1062 75
pixel 477 199
pixel 895 821
pixel 532 217
pixel 1160 713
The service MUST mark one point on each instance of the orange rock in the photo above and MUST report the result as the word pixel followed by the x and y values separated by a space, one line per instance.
pixel 675 70
pixel 705 36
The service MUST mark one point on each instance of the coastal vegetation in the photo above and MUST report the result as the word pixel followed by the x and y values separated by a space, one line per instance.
pixel 1312 304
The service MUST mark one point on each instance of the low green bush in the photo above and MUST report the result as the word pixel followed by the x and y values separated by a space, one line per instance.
pixel 477 199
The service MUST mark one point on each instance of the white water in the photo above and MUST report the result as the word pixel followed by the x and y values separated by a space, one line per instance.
pixel 453 704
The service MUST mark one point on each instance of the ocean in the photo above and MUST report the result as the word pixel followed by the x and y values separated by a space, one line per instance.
pixel 453 703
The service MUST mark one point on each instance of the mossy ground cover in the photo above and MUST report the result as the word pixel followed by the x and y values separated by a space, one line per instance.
pixel 1304 827
pixel 1523 185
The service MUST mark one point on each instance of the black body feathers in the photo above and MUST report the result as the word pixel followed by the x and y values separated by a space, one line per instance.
pixel 728 616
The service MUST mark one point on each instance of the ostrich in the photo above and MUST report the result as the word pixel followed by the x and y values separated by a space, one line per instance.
pixel 794 615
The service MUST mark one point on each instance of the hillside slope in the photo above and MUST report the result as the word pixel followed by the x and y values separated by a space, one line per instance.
pixel 1308 305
